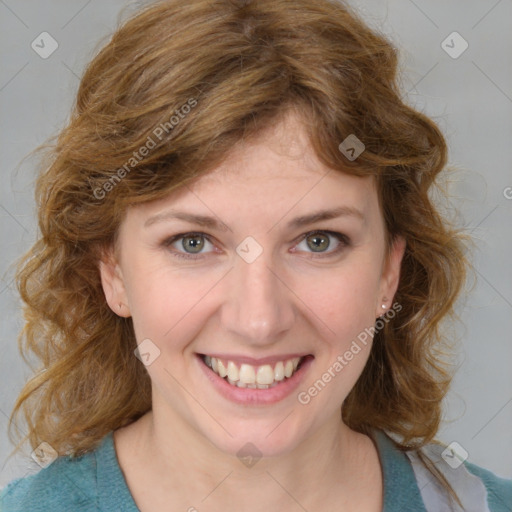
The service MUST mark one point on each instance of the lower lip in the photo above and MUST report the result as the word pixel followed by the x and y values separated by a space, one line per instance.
pixel 249 396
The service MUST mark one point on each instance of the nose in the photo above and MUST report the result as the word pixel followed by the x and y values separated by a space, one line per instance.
pixel 259 308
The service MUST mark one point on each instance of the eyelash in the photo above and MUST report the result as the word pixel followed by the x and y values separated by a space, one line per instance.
pixel 343 240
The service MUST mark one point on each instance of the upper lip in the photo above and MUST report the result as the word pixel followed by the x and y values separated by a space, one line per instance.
pixel 240 359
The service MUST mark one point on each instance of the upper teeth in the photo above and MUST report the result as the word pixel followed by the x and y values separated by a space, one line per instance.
pixel 251 376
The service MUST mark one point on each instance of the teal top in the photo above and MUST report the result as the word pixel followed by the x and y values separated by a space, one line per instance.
pixel 95 482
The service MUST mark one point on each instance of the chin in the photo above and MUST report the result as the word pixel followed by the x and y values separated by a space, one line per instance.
pixel 269 439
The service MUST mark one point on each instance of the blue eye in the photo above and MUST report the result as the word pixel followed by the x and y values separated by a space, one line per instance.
pixel 191 245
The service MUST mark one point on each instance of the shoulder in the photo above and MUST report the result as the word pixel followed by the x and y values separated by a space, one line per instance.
pixel 477 488
pixel 499 490
pixel 68 483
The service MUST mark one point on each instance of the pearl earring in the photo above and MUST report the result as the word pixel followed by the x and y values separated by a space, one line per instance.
pixel 383 306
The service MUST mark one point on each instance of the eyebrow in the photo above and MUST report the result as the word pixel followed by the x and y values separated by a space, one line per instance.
pixel 214 224
pixel 342 211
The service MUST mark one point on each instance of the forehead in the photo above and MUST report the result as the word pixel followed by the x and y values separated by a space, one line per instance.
pixel 269 175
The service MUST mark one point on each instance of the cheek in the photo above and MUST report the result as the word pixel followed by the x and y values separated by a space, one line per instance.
pixel 165 302
pixel 343 304
pixel 168 303
pixel 343 298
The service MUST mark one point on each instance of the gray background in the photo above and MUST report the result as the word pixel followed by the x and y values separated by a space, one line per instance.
pixel 469 96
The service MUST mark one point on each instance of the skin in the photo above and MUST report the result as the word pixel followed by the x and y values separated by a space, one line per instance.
pixel 290 299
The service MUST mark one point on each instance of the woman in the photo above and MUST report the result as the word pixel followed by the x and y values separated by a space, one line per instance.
pixel 238 286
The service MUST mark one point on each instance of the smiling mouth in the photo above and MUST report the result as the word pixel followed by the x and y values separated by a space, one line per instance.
pixel 255 377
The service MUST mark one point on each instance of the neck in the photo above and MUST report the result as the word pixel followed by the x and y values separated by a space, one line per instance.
pixel 334 461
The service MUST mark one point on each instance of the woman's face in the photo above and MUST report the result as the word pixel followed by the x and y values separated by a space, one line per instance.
pixel 255 279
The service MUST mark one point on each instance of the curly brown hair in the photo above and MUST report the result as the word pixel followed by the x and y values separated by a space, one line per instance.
pixel 237 69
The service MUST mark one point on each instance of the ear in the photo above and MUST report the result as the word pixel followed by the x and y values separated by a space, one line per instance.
pixel 390 275
pixel 113 284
